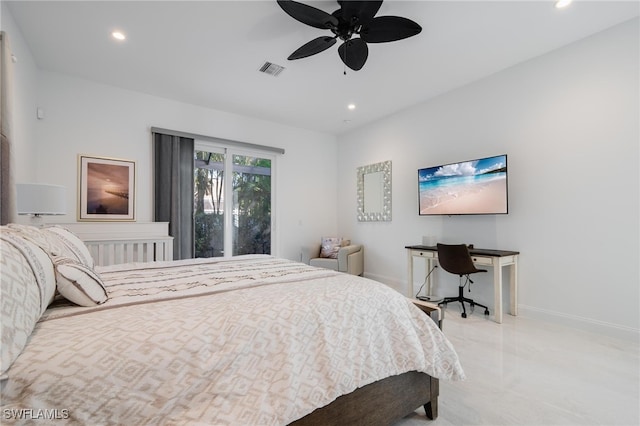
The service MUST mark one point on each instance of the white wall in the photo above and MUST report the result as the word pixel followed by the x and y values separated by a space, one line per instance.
pixel 23 93
pixel 569 123
pixel 83 117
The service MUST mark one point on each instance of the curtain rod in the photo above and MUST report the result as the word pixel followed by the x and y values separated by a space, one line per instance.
pixel 219 140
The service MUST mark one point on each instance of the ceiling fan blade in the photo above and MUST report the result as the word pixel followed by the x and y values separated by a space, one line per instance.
pixel 360 12
pixel 316 45
pixel 354 53
pixel 389 28
pixel 308 15
pixel 363 11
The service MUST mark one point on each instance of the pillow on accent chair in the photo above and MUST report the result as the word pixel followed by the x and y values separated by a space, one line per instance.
pixel 334 253
pixel 330 247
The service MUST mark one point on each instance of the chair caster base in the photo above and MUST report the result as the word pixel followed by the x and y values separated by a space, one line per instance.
pixel 464 315
pixel 486 312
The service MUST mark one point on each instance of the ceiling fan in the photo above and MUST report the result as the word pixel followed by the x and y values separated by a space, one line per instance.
pixel 353 18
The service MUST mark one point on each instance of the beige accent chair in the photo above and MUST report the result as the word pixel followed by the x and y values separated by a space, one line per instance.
pixel 350 258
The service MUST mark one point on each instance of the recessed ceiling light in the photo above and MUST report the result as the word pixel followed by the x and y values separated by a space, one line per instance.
pixel 118 35
pixel 351 106
pixel 562 3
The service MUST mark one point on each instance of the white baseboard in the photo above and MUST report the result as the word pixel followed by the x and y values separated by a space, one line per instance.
pixel 393 282
pixel 573 321
pixel 581 323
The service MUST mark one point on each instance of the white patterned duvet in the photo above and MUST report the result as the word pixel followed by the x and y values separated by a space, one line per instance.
pixel 252 340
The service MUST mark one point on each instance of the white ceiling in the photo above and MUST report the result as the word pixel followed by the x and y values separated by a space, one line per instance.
pixel 208 52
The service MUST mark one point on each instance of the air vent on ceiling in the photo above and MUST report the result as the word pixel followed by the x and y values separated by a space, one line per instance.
pixel 271 69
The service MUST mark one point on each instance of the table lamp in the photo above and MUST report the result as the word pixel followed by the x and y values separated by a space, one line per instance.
pixel 37 199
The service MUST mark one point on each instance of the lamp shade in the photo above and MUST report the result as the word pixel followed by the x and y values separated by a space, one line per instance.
pixel 41 199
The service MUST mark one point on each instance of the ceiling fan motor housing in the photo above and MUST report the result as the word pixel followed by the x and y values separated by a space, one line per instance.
pixel 345 30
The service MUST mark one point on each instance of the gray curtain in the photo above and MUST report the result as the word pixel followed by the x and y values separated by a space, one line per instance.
pixel 173 190
pixel 7 188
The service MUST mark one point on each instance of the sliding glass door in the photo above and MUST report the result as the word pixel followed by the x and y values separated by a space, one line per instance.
pixel 235 224
pixel 251 205
pixel 208 201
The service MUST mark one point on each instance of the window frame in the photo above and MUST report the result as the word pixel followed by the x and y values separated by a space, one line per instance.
pixel 229 150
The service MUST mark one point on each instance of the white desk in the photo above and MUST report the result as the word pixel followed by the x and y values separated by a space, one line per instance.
pixel 484 257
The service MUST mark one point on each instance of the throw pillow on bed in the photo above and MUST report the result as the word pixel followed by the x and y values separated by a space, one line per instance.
pixel 28 285
pixel 47 241
pixel 79 283
pixel 73 243
pixel 56 241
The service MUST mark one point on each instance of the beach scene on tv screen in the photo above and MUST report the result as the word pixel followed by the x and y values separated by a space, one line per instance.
pixel 469 187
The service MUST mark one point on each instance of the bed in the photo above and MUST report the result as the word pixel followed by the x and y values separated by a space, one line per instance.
pixel 251 340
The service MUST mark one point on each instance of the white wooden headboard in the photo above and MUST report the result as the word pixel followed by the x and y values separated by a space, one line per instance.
pixel 112 243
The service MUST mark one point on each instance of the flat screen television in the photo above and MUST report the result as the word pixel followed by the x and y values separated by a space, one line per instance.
pixel 468 187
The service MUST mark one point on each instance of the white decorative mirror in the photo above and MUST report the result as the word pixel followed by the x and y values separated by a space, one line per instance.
pixel 374 192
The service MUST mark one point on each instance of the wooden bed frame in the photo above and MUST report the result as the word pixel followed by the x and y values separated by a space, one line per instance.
pixel 380 403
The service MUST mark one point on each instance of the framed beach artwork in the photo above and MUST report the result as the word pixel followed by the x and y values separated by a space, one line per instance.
pixel 107 189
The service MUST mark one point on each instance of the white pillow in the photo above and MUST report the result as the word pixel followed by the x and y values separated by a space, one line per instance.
pixel 73 243
pixel 47 241
pixel 28 285
pixel 330 247
pixel 37 258
pixel 79 283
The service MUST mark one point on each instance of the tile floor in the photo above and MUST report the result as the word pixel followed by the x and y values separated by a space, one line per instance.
pixel 529 372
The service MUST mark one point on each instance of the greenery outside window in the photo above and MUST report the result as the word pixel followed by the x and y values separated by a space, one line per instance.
pixel 236 224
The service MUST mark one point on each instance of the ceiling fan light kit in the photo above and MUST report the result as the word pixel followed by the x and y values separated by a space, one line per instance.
pixel 352 18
